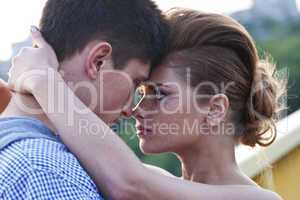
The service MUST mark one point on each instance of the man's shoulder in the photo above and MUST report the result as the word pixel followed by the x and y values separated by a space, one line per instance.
pixel 49 157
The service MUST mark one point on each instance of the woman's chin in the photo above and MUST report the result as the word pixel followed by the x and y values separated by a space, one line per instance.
pixel 150 148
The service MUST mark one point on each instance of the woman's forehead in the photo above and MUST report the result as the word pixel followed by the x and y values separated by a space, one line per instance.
pixel 162 74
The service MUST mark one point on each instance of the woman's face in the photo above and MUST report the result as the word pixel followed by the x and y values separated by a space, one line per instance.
pixel 171 119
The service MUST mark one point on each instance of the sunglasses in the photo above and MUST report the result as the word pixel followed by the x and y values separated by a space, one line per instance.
pixel 147 91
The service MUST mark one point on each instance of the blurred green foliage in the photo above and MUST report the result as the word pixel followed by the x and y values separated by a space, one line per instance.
pixel 285 49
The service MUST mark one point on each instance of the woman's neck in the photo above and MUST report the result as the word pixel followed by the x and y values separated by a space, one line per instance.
pixel 26 106
pixel 212 162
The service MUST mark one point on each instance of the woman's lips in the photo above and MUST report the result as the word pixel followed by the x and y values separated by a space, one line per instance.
pixel 143 132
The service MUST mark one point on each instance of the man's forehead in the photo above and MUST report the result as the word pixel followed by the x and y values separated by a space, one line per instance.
pixel 138 69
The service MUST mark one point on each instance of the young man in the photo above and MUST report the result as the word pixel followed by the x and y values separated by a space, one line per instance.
pixel 94 42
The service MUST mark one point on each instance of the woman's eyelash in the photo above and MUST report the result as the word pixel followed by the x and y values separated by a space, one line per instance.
pixel 161 94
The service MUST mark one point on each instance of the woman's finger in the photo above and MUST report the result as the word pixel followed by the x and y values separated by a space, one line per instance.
pixel 37 38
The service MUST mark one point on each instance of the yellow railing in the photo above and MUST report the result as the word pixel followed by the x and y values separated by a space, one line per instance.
pixel 278 166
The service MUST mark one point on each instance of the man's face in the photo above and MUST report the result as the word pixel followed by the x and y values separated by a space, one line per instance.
pixel 117 89
pixel 106 90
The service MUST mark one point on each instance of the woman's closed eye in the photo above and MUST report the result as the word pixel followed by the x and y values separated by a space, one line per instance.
pixel 150 91
pixel 160 94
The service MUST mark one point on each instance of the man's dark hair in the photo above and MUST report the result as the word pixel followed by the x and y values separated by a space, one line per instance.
pixel 134 28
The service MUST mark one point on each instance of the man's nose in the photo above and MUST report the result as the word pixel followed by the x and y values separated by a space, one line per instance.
pixel 142 109
pixel 137 113
pixel 127 112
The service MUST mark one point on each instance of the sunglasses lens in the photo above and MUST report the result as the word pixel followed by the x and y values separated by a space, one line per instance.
pixel 142 92
pixel 139 95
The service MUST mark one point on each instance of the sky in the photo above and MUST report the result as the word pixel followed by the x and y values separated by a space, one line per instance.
pixel 16 16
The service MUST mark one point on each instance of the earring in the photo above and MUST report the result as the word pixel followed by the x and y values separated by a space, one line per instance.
pixel 98 68
pixel 99 64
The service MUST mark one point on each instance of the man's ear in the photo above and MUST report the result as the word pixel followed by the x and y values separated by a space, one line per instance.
pixel 219 105
pixel 97 57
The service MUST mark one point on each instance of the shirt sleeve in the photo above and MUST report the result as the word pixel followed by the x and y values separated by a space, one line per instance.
pixel 43 185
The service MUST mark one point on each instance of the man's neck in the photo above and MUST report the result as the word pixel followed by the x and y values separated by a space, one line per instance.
pixel 26 106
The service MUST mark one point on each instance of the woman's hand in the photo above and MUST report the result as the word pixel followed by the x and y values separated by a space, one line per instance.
pixel 32 65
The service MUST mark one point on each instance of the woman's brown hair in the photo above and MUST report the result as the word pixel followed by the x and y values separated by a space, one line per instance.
pixel 219 50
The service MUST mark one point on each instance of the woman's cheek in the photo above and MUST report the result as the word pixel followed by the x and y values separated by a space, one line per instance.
pixel 170 105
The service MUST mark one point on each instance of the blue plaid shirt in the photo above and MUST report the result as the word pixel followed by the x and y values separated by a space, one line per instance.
pixel 35 165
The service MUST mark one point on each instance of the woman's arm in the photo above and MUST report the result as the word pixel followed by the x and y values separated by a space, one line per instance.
pixel 114 167
pixel 159 170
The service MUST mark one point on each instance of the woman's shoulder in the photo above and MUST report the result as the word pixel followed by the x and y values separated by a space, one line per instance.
pixel 269 195
pixel 245 192
pixel 257 193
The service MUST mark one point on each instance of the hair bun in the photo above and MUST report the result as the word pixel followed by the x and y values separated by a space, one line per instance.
pixel 263 106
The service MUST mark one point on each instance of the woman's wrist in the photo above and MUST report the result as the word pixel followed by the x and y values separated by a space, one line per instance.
pixel 48 79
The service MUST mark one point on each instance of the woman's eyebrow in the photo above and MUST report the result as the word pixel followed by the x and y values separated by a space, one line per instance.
pixel 164 84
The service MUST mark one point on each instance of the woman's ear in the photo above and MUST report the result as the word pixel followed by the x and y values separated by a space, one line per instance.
pixel 219 105
pixel 97 57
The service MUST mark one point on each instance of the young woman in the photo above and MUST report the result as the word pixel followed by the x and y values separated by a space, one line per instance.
pixel 211 79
